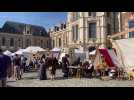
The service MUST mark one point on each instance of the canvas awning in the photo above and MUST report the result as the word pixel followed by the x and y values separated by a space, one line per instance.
pixel 126 48
pixel 33 49
pixel 19 52
pixel 8 53
pixel 56 50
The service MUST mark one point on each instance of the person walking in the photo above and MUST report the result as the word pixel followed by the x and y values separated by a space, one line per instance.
pixel 17 65
pixel 42 70
pixel 65 64
pixel 54 66
pixel 5 69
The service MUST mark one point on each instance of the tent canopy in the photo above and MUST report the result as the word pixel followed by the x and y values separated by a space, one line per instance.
pixel 56 50
pixel 7 53
pixel 78 51
pixel 108 56
pixel 19 52
pixel 33 49
pixel 126 48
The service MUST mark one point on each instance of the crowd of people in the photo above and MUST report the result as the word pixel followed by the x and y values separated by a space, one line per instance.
pixel 15 66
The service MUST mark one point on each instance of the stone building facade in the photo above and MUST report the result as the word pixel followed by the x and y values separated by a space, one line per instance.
pixel 86 29
pixel 14 35
pixel 127 22
pixel 59 36
pixel 90 28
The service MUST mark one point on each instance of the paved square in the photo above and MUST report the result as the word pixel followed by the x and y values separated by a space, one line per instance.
pixel 31 80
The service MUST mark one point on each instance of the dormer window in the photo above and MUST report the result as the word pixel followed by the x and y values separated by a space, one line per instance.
pixel 28 32
pixel 62 26
pixel 65 26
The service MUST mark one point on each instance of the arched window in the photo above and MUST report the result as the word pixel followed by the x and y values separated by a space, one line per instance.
pixel 11 42
pixel 3 41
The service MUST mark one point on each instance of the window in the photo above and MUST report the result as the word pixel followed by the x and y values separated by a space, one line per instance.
pixel 89 14
pixel 3 41
pixel 57 28
pixel 28 42
pixel 47 44
pixel 109 29
pixel 62 26
pixel 11 42
pixel 28 32
pixel 41 43
pixel 59 42
pixel 19 42
pixel 76 16
pixel 93 14
pixel 92 30
pixel 108 14
pixel 75 32
pixel 53 43
pixel 131 34
pixel 131 24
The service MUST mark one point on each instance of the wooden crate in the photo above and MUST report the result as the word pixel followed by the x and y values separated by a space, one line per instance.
pixel 106 78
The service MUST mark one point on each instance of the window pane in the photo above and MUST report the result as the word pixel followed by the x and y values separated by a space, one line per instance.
pixel 11 42
pixel 89 13
pixel 92 30
pixel 76 32
pixel 131 24
pixel 3 41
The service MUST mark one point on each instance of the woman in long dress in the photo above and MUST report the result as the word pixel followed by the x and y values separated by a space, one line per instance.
pixel 42 72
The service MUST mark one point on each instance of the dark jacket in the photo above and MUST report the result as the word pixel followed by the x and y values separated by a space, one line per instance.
pixel 5 63
pixel 65 64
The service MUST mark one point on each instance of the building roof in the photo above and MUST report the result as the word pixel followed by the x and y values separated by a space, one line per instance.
pixel 19 28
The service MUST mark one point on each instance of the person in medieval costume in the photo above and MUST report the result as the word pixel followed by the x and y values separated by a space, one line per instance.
pixel 42 70
pixel 65 64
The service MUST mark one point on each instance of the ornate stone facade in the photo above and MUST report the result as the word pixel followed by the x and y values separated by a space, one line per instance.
pixel 85 29
pixel 15 35
pixel 59 36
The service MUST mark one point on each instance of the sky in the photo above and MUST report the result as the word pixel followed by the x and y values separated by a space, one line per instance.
pixel 45 19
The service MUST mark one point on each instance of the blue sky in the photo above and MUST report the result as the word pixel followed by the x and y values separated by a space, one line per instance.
pixel 45 19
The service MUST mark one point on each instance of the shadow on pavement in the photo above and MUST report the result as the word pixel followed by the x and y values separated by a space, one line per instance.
pixel 30 78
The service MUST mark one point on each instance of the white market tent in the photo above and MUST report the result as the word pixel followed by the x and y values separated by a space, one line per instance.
pixel 8 53
pixel 80 53
pixel 61 55
pixel 12 54
pixel 19 52
pixel 125 51
pixel 56 50
pixel 29 51
pixel 34 49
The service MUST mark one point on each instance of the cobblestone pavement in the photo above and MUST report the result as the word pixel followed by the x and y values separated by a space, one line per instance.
pixel 31 80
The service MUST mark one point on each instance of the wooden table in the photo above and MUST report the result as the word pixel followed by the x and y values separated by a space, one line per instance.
pixel 78 71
